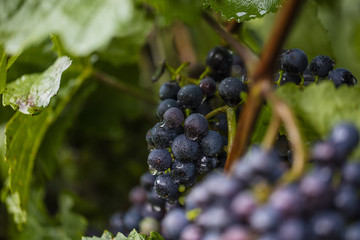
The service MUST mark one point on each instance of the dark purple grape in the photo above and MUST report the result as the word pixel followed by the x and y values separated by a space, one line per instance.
pixel 211 144
pixel 165 105
pixel 182 171
pixel 230 89
pixel 219 59
pixel 321 65
pixel 293 229
pixel 190 96
pixel 351 174
pixel 137 196
pixel 294 61
pixel 324 153
pixel 347 202
pixel 208 86
pixel 287 200
pixel 195 126
pixel 243 205
pixel 206 164
pixel 198 197
pixel 185 149
pixel 345 137
pixel 191 232
pixel 149 211
pixel 236 232
pixel 156 201
pixel 328 225
pixel 220 186
pixel 290 78
pixel 353 231
pixel 215 218
pixel 173 117
pixel 169 90
pixel 117 223
pixel 166 187
pixel 173 223
pixel 159 160
pixel 162 136
pixel 341 76
pixel 264 219
pixel 132 218
pixel 147 181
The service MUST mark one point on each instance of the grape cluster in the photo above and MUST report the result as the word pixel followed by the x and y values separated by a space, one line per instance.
pixel 184 143
pixel 294 68
pixel 324 204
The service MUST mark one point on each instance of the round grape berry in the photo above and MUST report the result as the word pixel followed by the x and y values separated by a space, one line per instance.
pixel 321 65
pixel 294 61
pixel 190 96
pixel 166 187
pixel 169 90
pixel 230 89
pixel 220 59
pixel 159 159
pixel 342 76
pixel 208 86
pixel 173 117
pixel 195 126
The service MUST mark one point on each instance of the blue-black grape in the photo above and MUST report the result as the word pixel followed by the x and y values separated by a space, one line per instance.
pixel 185 149
pixel 195 126
pixel 288 77
pixel 321 65
pixel 230 89
pixel 173 117
pixel 166 187
pixel 132 218
pixel 165 105
pixel 205 164
pixel 341 76
pixel 294 61
pixel 345 138
pixel 159 160
pixel 190 96
pixel 208 86
pixel 173 223
pixel 147 181
pixel 328 225
pixel 169 90
pixel 220 59
pixel 182 171
pixel 162 136
pixel 211 144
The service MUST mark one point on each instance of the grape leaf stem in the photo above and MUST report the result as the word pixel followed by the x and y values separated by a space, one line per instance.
pixel 126 88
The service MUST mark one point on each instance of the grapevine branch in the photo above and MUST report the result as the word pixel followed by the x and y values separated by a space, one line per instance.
pixel 260 78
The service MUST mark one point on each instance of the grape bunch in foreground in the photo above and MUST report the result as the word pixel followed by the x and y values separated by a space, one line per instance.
pixel 323 204
pixel 185 195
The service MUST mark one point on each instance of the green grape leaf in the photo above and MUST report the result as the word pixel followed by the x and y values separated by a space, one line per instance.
pixel 32 93
pixel 155 236
pixel 134 235
pixel 187 11
pixel 40 225
pixel 13 205
pixel 3 69
pixel 318 108
pixel 24 135
pixel 243 10
pixel 83 26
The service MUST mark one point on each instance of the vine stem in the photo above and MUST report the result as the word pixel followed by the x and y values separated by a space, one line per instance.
pixel 271 132
pixel 126 88
pixel 261 78
pixel 216 111
pixel 231 119
pixel 285 114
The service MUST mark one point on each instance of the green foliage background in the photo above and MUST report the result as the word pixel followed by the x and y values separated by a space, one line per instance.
pixel 65 170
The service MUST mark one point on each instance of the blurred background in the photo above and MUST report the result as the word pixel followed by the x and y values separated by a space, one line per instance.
pixel 94 151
